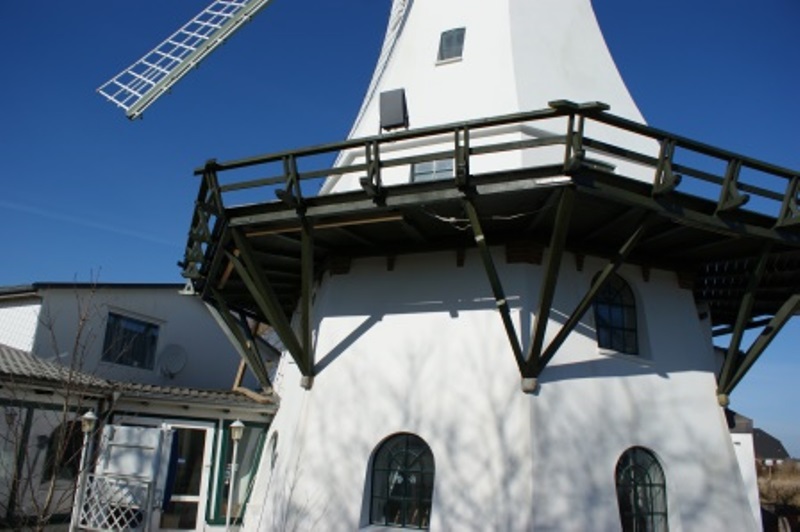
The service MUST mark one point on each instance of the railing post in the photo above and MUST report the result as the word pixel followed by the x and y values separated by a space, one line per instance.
pixel 730 198
pixel 574 152
pixel 462 156
pixel 665 179
pixel 373 184
pixel 291 195
pixel 790 214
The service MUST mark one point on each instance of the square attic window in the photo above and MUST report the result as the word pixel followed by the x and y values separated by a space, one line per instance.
pixel 451 45
pixel 130 342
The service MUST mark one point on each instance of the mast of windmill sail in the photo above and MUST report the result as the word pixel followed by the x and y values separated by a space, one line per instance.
pixel 139 86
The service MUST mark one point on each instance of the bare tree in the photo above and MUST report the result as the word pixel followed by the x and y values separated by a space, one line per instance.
pixel 42 441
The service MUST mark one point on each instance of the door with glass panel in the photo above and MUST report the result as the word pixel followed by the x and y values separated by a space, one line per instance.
pixel 188 491
pixel 187 485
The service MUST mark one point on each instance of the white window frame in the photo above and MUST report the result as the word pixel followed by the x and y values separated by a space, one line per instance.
pixel 437 170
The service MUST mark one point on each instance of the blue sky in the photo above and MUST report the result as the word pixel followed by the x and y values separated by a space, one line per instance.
pixel 88 194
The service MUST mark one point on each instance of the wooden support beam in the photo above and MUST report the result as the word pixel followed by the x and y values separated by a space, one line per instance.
pixel 494 281
pixel 246 349
pixel 742 318
pixel 306 287
pixel 787 310
pixel 537 364
pixel 264 296
pixel 549 279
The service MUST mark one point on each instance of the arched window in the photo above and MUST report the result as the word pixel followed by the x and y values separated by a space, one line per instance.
pixel 615 317
pixel 402 483
pixel 641 492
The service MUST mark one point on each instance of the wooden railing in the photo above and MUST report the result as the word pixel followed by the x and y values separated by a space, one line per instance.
pixel 674 164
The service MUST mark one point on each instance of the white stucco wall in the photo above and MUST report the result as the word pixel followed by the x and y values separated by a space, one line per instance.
pixel 187 332
pixel 422 349
pixel 18 322
pixel 746 457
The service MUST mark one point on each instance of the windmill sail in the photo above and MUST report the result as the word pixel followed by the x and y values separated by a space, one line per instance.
pixel 138 86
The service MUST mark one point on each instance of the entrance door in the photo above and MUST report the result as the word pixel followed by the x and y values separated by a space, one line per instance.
pixel 187 504
pixel 193 444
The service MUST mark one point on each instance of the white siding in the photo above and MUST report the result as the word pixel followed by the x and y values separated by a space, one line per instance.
pixel 188 335
pixel 18 322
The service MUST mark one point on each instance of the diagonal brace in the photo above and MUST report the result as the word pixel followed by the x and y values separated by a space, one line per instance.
pixel 787 310
pixel 550 278
pixel 537 364
pixel 247 348
pixel 745 309
pixel 494 281
pixel 267 301
pixel 306 289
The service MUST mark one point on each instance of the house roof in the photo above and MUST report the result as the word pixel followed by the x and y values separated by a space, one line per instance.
pixel 24 367
pixel 768 446
pixel 21 367
pixel 32 289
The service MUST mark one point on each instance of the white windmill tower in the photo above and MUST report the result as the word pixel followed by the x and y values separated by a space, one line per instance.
pixel 501 318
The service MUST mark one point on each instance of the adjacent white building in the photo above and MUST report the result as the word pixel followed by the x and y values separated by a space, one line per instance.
pixel 138 355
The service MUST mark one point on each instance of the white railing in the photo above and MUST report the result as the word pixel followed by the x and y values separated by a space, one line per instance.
pixel 115 503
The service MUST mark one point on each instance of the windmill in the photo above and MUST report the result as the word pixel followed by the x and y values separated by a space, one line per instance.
pixel 500 309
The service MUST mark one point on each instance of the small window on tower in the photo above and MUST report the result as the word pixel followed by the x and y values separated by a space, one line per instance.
pixel 451 45
pixel 432 170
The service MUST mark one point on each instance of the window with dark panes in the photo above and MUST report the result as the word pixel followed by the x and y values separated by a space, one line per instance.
pixel 402 483
pixel 130 341
pixel 641 492
pixel 451 44
pixel 615 317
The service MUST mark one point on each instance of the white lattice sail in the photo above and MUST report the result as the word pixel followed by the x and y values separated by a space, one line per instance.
pixel 138 86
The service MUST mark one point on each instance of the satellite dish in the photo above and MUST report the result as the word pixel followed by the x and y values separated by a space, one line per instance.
pixel 172 360
pixel 138 86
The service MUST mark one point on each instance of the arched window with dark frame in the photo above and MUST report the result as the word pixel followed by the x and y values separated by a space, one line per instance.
pixel 402 483
pixel 615 317
pixel 641 492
